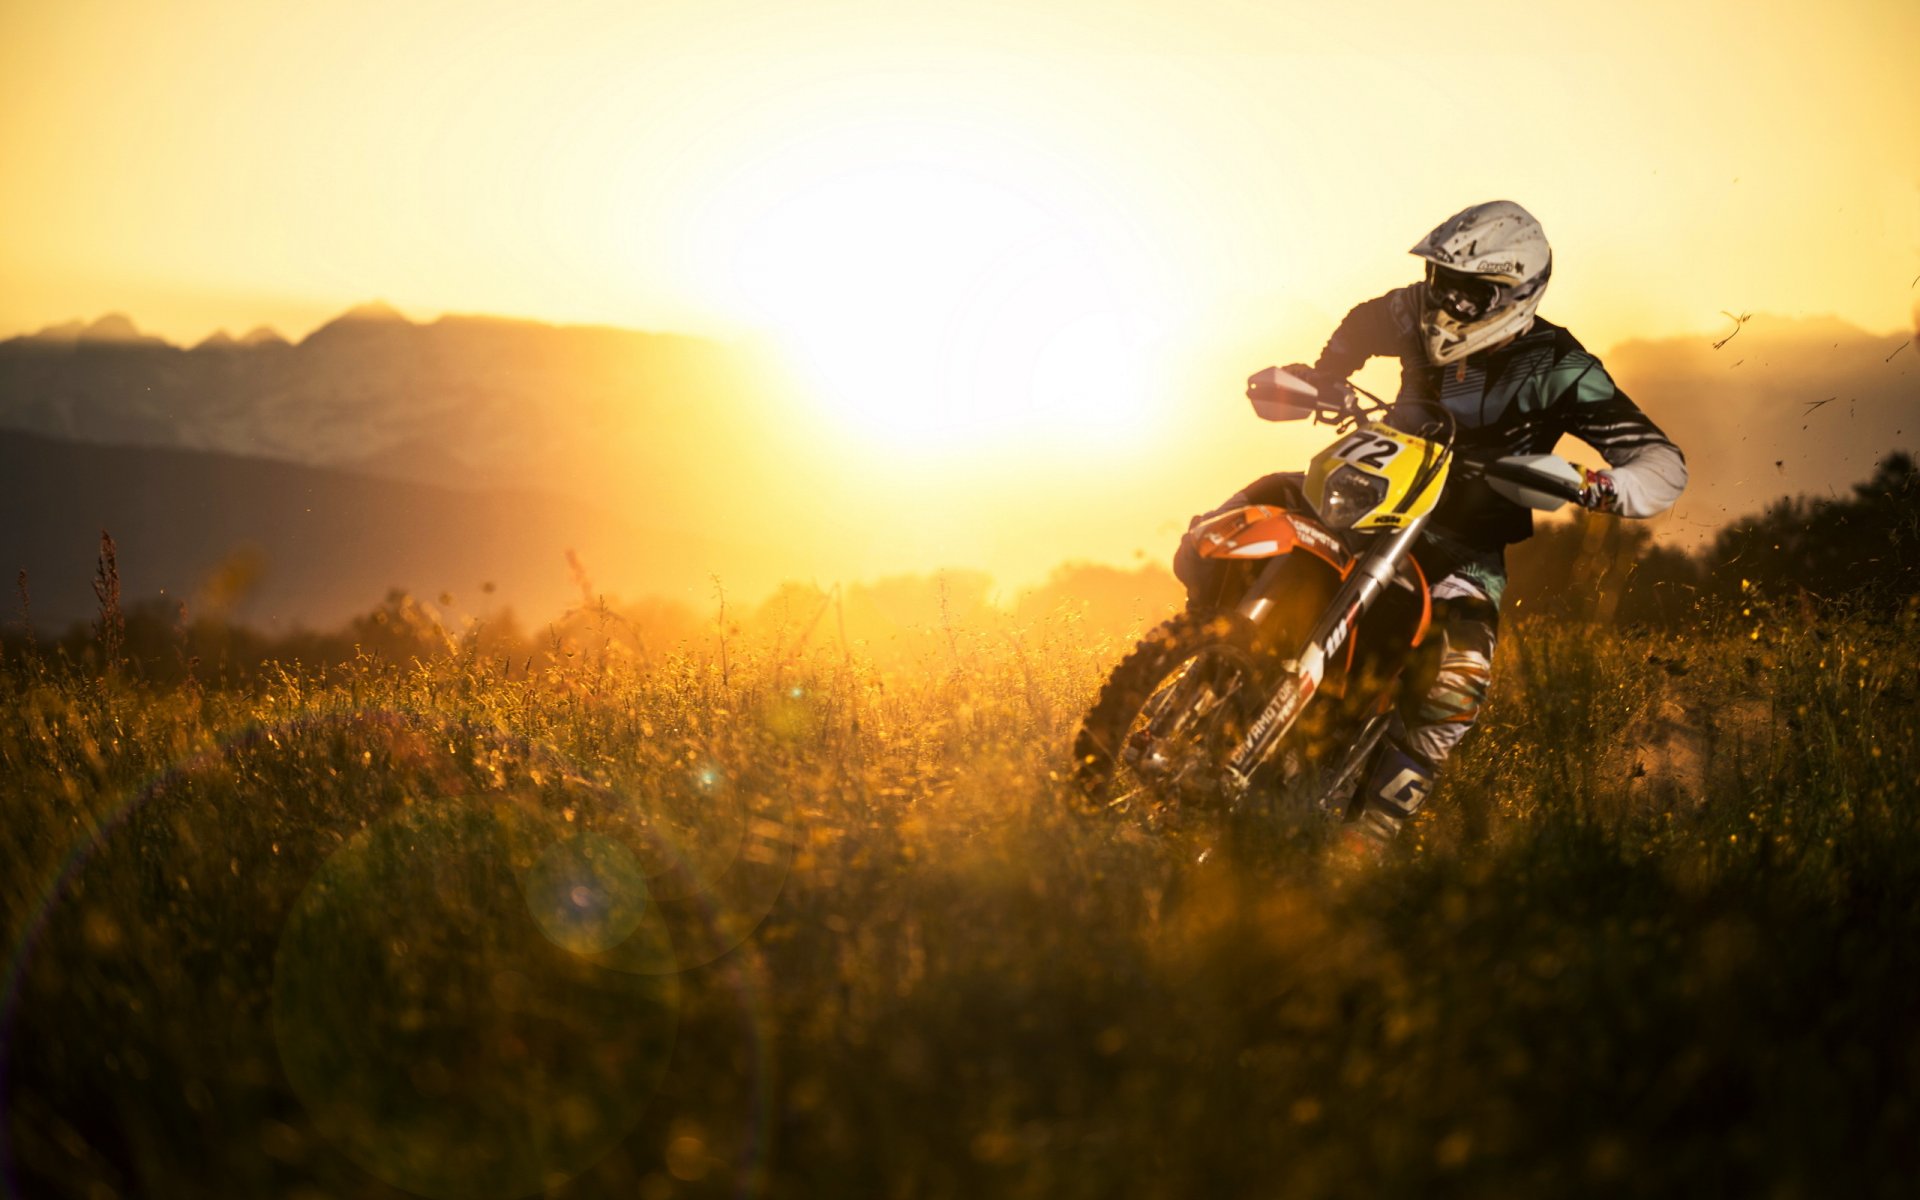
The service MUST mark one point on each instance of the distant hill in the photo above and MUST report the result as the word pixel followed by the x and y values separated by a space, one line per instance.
pixel 1787 407
pixel 280 545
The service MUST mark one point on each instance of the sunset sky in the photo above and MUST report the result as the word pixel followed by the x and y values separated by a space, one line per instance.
pixel 1034 219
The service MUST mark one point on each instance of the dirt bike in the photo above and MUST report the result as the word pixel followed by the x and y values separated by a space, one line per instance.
pixel 1285 670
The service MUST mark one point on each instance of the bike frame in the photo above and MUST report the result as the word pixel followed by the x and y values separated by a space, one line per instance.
pixel 1372 573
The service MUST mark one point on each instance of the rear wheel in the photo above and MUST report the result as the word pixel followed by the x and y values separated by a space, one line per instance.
pixel 1173 710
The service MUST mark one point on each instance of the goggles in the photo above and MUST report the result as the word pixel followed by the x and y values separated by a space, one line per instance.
pixel 1465 298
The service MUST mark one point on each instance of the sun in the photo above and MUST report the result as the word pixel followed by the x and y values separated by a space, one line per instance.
pixel 940 288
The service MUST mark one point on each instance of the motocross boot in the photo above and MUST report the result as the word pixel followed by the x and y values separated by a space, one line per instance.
pixel 1397 784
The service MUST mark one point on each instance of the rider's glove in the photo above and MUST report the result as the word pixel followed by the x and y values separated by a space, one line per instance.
pixel 1307 374
pixel 1599 494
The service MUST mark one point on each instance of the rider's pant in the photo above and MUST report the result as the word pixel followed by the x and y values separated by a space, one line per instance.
pixel 1426 729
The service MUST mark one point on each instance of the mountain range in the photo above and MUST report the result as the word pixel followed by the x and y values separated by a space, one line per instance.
pixel 472 402
pixel 380 452
pixel 279 545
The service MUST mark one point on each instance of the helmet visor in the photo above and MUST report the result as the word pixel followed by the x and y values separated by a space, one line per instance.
pixel 1465 298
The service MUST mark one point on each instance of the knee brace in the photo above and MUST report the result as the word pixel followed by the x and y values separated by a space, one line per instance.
pixel 1448 701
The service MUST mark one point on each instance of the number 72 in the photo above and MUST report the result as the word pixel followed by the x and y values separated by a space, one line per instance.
pixel 1367 449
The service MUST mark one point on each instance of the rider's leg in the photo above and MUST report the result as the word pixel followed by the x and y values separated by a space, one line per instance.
pixel 1418 743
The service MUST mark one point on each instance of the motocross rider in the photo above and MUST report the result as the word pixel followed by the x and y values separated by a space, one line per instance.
pixel 1467 338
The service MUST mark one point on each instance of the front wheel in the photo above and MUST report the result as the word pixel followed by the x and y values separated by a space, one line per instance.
pixel 1170 714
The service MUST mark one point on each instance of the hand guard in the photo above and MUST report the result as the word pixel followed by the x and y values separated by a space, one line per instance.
pixel 1599 494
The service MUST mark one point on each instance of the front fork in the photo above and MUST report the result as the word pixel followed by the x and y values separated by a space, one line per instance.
pixel 1371 575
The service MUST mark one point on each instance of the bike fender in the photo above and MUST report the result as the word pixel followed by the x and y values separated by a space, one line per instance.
pixel 1264 531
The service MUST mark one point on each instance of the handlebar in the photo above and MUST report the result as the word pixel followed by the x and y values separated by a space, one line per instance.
pixel 1278 395
pixel 1281 395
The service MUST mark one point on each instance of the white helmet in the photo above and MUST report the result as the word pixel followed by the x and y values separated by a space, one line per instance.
pixel 1486 269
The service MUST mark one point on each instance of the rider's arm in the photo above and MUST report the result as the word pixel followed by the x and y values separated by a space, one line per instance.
pixel 1646 469
pixel 1385 325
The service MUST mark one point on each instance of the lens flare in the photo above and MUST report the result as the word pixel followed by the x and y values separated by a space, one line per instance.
pixel 448 1036
pixel 587 893
pixel 466 934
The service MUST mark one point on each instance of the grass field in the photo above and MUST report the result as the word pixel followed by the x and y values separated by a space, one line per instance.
pixel 799 925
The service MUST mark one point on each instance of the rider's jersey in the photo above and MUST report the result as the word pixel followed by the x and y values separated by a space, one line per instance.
pixel 1519 398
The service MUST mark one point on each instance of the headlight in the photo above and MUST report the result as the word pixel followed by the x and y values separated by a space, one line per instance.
pixel 1350 495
